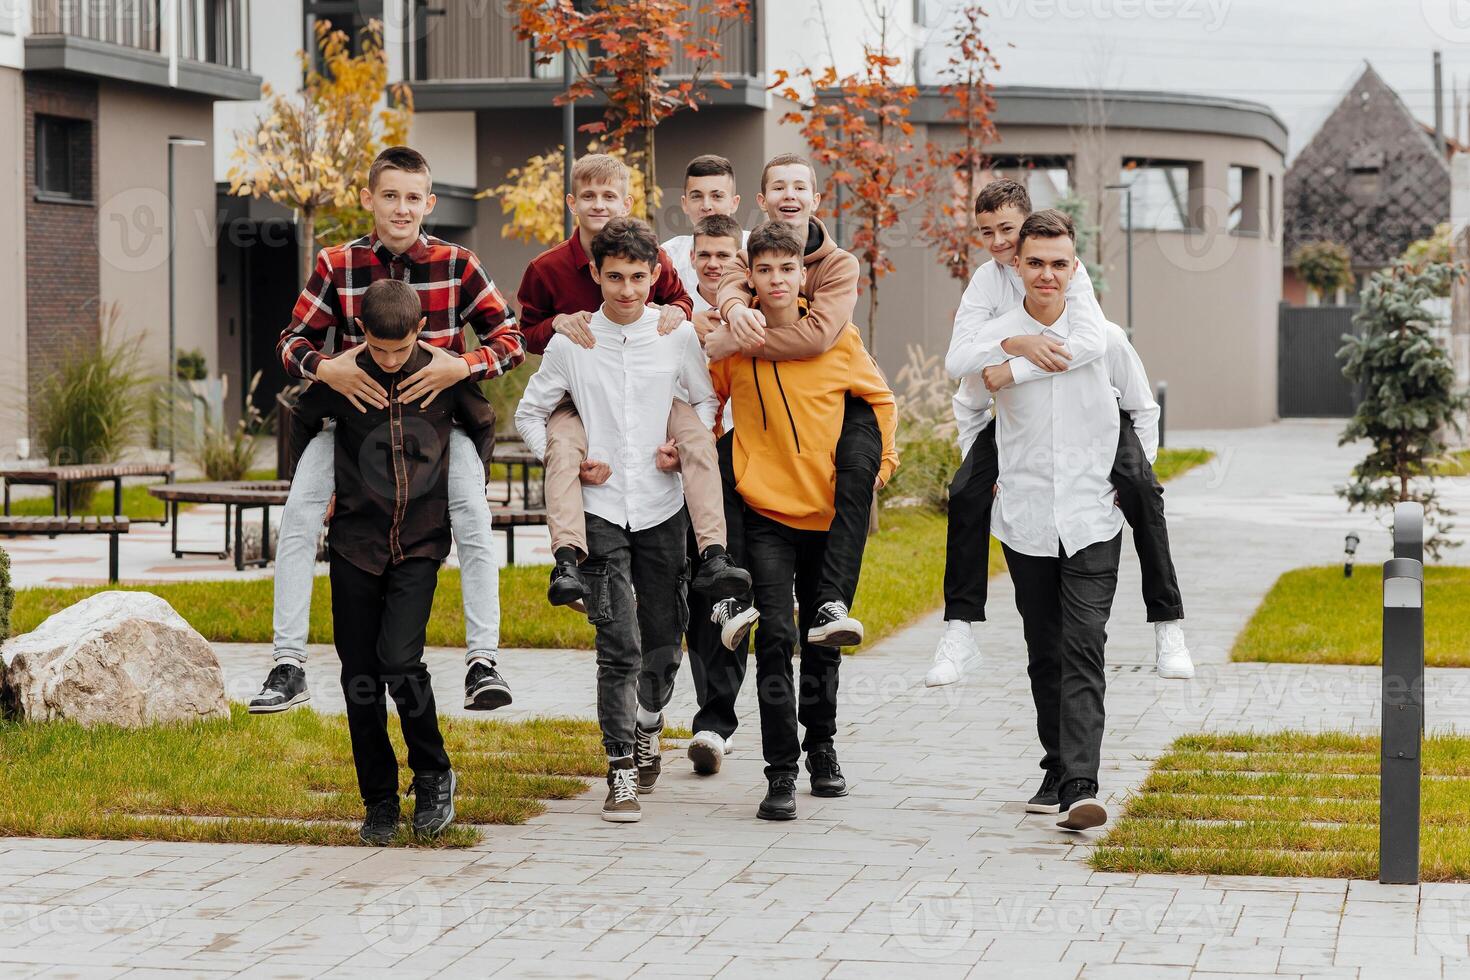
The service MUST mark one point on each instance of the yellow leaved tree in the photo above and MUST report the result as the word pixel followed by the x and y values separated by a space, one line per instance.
pixel 534 198
pixel 311 150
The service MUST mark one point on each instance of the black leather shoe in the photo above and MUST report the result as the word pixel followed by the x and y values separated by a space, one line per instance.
pixel 567 586
pixel 826 773
pixel 719 577
pixel 433 808
pixel 780 801
pixel 381 823
pixel 1046 800
pixel 1079 807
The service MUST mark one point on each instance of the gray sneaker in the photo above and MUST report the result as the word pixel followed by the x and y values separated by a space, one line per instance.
pixel 648 755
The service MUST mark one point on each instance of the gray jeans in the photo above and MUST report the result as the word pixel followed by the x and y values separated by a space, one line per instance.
pixel 639 642
pixel 306 510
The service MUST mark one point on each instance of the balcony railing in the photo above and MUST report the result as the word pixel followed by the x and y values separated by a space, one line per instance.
pixel 212 31
pixel 471 40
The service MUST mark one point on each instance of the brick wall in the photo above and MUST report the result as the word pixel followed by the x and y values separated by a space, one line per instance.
pixel 61 239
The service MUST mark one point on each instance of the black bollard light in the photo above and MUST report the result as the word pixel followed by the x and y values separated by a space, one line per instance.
pixel 1350 548
pixel 1402 730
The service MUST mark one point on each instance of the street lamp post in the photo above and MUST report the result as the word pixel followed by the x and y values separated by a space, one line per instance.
pixel 172 375
pixel 568 137
pixel 1127 190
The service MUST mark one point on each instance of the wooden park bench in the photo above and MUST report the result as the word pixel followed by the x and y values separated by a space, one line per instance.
pixel 111 526
pixel 509 520
pixel 61 478
pixel 238 496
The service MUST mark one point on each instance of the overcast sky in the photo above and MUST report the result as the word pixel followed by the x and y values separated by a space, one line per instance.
pixel 1296 56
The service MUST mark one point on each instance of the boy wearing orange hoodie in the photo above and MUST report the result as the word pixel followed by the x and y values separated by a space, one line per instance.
pixel 788 417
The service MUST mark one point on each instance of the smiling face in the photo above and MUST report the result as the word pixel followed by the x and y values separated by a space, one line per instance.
pixel 999 231
pixel 789 195
pixel 595 203
pixel 625 284
pixel 398 203
pixel 1046 266
pixel 711 256
pixel 390 355
pixel 704 196
pixel 777 280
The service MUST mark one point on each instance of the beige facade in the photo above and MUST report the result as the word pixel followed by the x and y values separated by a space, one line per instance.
pixel 12 262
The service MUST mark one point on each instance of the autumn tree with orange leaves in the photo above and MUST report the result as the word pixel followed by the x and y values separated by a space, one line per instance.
pixel 948 226
pixel 858 126
pixel 620 51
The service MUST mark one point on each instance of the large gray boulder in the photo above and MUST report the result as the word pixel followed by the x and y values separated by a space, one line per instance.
pixel 116 658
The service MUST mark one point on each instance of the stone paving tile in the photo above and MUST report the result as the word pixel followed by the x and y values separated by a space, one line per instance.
pixel 929 868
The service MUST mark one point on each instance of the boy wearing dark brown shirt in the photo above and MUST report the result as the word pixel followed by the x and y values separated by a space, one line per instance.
pixel 389 535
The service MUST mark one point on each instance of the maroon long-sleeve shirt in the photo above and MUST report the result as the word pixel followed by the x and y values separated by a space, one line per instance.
pixel 559 280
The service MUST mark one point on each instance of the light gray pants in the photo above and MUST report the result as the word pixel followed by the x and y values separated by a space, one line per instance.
pixel 306 510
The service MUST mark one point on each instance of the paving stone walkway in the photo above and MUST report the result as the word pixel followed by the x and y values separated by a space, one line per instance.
pixel 930 865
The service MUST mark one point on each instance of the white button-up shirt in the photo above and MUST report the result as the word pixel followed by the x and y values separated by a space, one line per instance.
pixel 680 250
pixel 1056 438
pixel 623 389
pixel 996 289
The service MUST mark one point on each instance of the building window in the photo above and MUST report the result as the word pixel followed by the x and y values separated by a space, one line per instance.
pixel 1163 193
pixel 1047 178
pixel 64 157
pixel 350 17
pixel 1245 200
pixel 1271 206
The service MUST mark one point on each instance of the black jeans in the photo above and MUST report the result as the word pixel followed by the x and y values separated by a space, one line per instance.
pixel 1140 497
pixel 778 557
pixel 638 650
pixel 1064 604
pixel 718 673
pixel 379 623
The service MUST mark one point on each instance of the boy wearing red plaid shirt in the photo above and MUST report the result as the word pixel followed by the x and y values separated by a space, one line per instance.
pixel 455 292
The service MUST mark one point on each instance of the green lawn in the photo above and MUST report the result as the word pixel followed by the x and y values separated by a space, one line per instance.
pixel 286 779
pixel 1314 615
pixel 1176 462
pixel 1284 804
pixel 1458 464
pixel 903 578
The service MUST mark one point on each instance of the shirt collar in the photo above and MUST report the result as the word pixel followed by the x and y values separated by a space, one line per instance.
pixel 416 252
pixel 579 257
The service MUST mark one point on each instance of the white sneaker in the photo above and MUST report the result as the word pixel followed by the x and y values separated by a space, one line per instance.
pixel 956 651
pixel 734 617
pixel 707 750
pixel 1172 655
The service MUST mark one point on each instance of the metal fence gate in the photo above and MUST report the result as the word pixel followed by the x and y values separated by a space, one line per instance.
pixel 1309 381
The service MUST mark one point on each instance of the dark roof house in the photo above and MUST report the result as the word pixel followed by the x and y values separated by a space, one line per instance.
pixel 1370 179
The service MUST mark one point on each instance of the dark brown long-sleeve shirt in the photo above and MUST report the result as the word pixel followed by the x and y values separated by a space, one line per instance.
pixel 392 464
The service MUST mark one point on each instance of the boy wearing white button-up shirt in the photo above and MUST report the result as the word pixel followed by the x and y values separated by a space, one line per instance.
pixel 1056 516
pixel 623 388
pixel 996 288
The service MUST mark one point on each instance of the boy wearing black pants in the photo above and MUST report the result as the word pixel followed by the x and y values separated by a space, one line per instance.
pixel 782 460
pixel 390 534
pixel 1000 209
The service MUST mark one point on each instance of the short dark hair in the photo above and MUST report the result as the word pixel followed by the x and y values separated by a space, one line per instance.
pixel 625 238
pixel 718 226
pixel 391 309
pixel 774 238
pixel 1047 223
pixel 709 165
pixel 998 193
pixel 786 160
pixel 404 158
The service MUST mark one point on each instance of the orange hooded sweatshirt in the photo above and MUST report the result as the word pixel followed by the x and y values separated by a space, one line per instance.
pixel 788 417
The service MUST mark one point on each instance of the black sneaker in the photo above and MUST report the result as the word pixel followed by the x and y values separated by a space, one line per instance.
pixel 834 627
pixel 381 823
pixel 648 755
pixel 719 577
pixel 734 617
pixel 826 773
pixel 566 586
pixel 1079 807
pixel 484 688
pixel 284 689
pixel 433 807
pixel 780 801
pixel 1045 800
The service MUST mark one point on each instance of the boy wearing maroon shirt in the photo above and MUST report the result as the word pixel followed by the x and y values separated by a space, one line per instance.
pixel 559 295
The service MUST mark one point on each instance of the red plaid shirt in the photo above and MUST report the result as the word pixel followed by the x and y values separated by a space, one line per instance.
pixel 453 290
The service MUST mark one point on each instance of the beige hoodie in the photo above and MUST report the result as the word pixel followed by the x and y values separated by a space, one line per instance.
pixel 831 291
